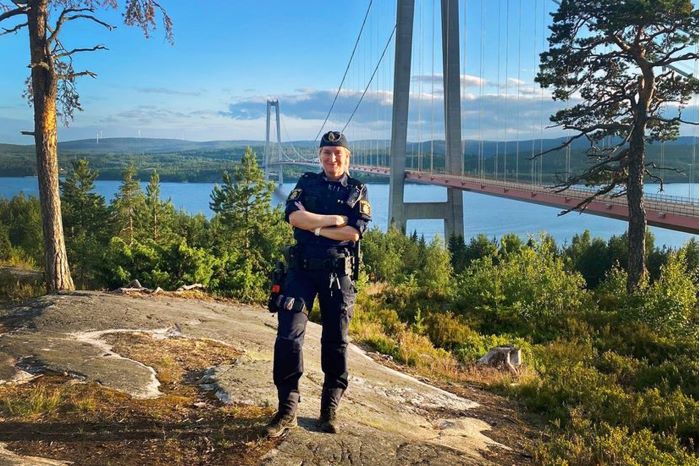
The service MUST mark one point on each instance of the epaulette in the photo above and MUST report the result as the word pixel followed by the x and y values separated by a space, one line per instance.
pixel 355 182
pixel 309 175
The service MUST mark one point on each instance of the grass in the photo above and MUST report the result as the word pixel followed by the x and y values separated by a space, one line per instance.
pixel 16 288
pixel 55 417
pixel 40 402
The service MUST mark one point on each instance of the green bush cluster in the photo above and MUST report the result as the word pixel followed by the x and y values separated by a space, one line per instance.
pixel 138 235
pixel 624 366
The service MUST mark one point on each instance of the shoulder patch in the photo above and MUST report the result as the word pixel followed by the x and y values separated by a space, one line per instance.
pixel 365 208
pixel 294 195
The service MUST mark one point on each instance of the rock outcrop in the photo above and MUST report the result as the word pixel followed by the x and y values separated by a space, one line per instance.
pixel 387 417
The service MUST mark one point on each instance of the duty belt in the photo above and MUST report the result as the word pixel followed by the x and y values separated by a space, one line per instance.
pixel 330 264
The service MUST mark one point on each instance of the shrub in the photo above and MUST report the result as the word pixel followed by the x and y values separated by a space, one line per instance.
pixel 529 293
pixel 591 445
pixel 446 330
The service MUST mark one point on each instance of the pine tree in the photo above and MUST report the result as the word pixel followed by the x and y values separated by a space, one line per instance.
pixel 159 213
pixel 244 213
pixel 84 221
pixel 51 90
pixel 617 60
pixel 128 207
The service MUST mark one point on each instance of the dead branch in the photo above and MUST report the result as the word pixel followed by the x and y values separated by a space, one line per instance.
pixel 91 18
pixel 10 13
pixel 672 120
pixel 13 29
pixel 71 76
pixel 91 49
pixel 581 206
pixel 190 287
pixel 62 19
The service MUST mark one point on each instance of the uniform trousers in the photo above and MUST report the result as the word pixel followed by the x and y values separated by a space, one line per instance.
pixel 336 296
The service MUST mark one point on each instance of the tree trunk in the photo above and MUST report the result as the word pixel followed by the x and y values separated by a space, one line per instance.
pixel 636 230
pixel 44 91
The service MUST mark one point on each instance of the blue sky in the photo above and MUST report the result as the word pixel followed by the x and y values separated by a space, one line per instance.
pixel 230 57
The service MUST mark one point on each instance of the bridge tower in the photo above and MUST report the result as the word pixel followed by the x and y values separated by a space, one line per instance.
pixel 450 211
pixel 273 152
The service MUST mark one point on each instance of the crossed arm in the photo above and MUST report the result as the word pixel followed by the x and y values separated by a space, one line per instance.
pixel 334 227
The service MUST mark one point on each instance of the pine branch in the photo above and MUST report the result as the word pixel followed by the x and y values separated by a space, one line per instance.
pixel 92 49
pixel 72 76
pixel 672 120
pixel 13 29
pixel 22 10
pixel 581 206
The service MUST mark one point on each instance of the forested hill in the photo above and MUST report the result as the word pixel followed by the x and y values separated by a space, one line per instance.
pixel 180 160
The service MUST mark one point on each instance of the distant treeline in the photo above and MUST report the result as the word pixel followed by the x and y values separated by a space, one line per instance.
pixel 185 161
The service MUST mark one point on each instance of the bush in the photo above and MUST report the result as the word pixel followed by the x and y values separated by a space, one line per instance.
pixel 530 293
pixel 168 266
pixel 446 330
pixel 591 445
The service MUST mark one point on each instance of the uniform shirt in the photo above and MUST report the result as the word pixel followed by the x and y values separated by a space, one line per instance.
pixel 320 195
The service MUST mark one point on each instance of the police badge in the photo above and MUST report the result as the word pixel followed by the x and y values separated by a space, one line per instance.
pixel 365 208
pixel 294 195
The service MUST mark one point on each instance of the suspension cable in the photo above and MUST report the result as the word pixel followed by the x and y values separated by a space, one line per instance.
pixel 357 41
pixel 371 78
pixel 432 91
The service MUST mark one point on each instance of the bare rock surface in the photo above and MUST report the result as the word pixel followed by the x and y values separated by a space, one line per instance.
pixel 387 417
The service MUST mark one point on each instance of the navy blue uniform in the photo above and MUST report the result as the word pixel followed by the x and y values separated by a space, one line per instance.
pixel 315 270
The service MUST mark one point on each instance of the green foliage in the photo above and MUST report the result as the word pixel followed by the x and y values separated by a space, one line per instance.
pixel 435 277
pixel 668 305
pixel 383 254
pixel 85 218
pixel 447 330
pixel 245 224
pixel 128 207
pixel 480 246
pixel 589 256
pixel 588 444
pixel 529 293
pixel 5 244
pixel 168 266
pixel 159 214
pixel 21 218
pixel 235 277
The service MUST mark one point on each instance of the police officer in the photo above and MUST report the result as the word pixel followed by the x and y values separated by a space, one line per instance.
pixel 329 212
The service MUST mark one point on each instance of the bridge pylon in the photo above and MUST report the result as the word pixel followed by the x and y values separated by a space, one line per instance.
pixel 450 211
pixel 273 152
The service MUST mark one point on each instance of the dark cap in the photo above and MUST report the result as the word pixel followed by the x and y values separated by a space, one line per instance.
pixel 334 139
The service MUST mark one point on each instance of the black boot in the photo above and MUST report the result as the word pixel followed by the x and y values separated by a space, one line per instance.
pixel 328 422
pixel 285 418
pixel 281 423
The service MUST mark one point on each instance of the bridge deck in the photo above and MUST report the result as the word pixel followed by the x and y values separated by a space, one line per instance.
pixel 668 212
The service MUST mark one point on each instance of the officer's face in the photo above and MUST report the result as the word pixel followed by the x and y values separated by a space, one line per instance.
pixel 335 161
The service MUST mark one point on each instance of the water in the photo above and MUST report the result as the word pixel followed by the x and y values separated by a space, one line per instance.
pixel 482 214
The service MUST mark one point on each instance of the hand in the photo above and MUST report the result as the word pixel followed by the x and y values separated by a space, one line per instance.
pixel 300 206
pixel 341 220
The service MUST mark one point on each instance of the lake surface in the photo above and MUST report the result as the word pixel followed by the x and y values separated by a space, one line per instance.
pixel 482 214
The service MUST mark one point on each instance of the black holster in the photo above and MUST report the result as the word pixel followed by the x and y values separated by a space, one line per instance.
pixel 277 278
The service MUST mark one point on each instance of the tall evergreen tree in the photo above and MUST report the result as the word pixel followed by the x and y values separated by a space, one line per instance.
pixel 159 213
pixel 243 210
pixel 616 59
pixel 128 207
pixel 85 221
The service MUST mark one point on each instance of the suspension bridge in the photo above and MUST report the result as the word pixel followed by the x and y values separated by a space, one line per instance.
pixel 410 95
